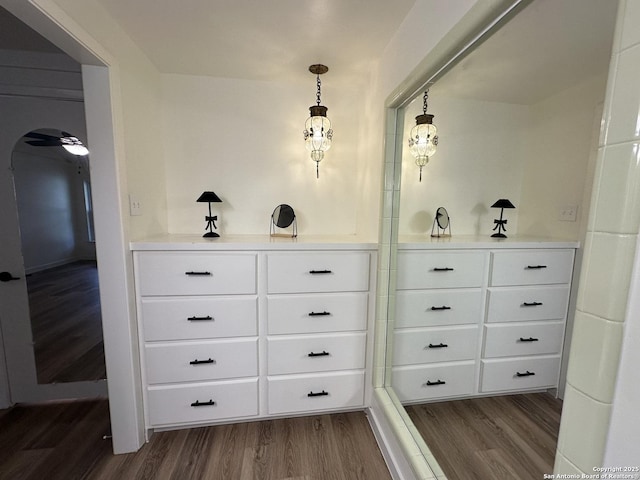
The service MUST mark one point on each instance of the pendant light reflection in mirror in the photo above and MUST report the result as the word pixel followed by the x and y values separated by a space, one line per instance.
pixel 317 129
pixel 423 138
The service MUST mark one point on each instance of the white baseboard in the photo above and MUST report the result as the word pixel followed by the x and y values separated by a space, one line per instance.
pixel 393 454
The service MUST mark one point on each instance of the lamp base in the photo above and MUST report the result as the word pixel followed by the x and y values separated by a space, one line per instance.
pixel 498 235
pixel 210 235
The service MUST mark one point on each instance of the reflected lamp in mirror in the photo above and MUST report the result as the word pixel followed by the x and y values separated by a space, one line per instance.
pixel 282 217
pixel 500 224
pixel 441 223
pixel 210 197
pixel 423 138
pixel 317 129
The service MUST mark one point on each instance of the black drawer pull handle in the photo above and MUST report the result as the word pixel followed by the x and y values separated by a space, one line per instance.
pixel 525 374
pixel 441 308
pixel 437 382
pixel 531 304
pixel 440 345
pixel 446 269
pixel 530 339
pixel 318 314
pixel 321 354
pixel 200 362
pixel 200 319
pixel 319 394
pixel 535 267
pixel 202 274
pixel 198 403
pixel 314 272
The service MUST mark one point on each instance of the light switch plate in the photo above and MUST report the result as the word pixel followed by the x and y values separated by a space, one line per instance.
pixel 135 205
pixel 568 213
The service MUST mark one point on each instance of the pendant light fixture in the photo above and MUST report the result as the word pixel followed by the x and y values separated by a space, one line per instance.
pixel 317 128
pixel 423 138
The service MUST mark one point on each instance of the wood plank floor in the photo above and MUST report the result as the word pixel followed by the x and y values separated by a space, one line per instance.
pixel 64 441
pixel 506 437
pixel 66 323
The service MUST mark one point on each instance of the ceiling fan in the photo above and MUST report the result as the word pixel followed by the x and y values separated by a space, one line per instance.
pixel 70 143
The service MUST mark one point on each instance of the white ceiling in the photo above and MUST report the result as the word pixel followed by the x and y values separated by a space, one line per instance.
pixel 546 48
pixel 549 46
pixel 261 40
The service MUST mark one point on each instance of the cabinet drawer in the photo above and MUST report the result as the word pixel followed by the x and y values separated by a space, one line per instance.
pixel 198 317
pixel 523 339
pixel 528 303
pixel 440 269
pixel 196 361
pixel 175 404
pixel 428 382
pixel 317 313
pixel 316 353
pixel 531 267
pixel 438 307
pixel 519 374
pixel 308 393
pixel 318 272
pixel 434 345
pixel 195 273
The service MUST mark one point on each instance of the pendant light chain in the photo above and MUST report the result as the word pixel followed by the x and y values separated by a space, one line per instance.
pixel 318 91
pixel 424 101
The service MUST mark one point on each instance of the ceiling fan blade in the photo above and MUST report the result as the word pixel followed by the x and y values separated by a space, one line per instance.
pixel 40 136
pixel 44 143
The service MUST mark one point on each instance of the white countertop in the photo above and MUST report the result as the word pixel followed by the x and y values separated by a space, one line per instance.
pixel 341 242
pixel 253 242
pixel 422 242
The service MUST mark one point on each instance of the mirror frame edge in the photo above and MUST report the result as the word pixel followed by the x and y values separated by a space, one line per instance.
pixel 483 19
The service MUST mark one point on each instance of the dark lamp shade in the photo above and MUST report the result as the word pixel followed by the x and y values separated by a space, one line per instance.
pixel 208 197
pixel 503 203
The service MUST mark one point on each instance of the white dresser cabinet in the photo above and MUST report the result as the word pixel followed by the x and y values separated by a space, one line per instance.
pixel 525 322
pixel 316 321
pixel 438 321
pixel 199 326
pixel 240 327
pixel 479 318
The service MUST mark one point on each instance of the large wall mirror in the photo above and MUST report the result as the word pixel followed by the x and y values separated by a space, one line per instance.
pixel 518 113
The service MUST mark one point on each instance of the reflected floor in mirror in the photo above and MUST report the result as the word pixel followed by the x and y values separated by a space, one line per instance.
pixel 66 323
pixel 508 437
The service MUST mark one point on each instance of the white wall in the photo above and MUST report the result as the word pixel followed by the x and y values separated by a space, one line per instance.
pixel 243 140
pixel 560 162
pixel 53 227
pixel 137 104
pixel 426 24
pixel 480 158
pixel 623 440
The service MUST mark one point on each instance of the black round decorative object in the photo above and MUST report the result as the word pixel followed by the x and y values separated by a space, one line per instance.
pixel 442 222
pixel 283 216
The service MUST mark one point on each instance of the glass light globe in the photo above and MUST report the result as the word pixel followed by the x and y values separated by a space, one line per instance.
pixel 423 141
pixel 317 136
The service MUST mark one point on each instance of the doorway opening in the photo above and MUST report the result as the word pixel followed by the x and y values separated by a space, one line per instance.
pixel 53 198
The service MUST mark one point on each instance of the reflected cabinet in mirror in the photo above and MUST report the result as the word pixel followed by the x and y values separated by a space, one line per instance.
pixel 478 327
